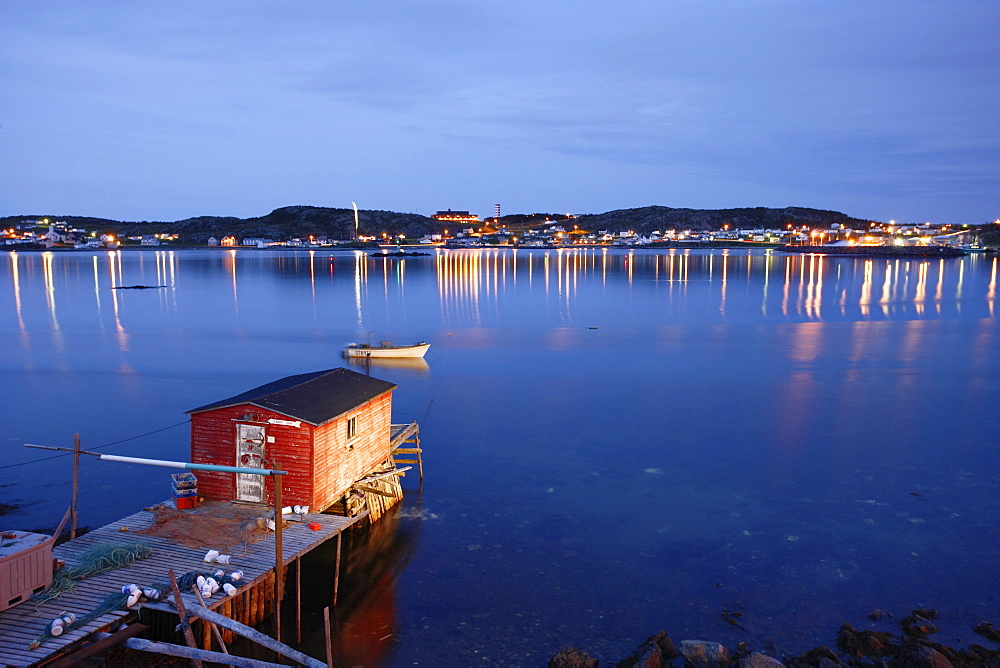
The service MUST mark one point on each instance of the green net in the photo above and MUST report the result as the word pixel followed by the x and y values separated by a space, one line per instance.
pixel 96 560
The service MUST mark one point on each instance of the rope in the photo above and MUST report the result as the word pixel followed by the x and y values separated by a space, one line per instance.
pixel 98 447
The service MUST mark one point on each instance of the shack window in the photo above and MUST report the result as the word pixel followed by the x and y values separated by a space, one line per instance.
pixel 352 427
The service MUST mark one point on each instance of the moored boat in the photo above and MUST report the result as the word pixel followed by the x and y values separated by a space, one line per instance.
pixel 386 349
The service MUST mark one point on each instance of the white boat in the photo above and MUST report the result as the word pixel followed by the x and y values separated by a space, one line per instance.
pixel 386 349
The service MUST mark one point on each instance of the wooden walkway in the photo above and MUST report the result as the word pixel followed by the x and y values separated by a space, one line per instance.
pixel 402 433
pixel 24 623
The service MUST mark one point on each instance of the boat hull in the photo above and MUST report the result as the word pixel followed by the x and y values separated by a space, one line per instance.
pixel 417 350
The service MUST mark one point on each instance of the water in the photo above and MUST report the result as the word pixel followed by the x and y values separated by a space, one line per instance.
pixel 616 442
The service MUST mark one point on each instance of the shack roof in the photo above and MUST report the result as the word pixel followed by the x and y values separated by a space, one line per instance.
pixel 311 397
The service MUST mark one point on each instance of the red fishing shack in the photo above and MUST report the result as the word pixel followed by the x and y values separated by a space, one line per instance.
pixel 328 429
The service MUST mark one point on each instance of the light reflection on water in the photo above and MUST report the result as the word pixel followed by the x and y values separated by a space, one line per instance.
pixel 616 441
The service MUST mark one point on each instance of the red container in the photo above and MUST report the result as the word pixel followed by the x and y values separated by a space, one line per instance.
pixel 182 502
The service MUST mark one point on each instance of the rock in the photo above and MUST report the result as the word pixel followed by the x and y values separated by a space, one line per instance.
pixel 758 660
pixel 980 656
pixel 656 651
pixel 862 643
pixel 649 657
pixel 876 615
pixel 820 657
pixel 571 657
pixel 917 626
pixel 988 630
pixel 703 654
pixel 666 645
pixel 925 657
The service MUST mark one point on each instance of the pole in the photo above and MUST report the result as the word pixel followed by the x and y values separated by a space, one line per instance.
pixel 336 572
pixel 163 462
pixel 183 617
pixel 329 644
pixel 279 560
pixel 215 629
pixel 76 482
pixel 298 601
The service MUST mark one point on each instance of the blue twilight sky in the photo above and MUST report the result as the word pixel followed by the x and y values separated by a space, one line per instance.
pixel 164 110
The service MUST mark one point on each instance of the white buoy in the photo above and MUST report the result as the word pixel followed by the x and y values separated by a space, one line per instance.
pixel 287 510
pixel 229 589
pixel 211 555
pixel 223 559
pixel 200 581
pixel 236 575
pixel 56 627
pixel 134 597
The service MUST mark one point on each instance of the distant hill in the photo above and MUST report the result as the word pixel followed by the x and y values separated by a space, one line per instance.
pixel 296 222
pixel 650 218
pixel 302 221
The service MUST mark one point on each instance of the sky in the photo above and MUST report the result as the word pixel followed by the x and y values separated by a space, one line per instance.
pixel 131 110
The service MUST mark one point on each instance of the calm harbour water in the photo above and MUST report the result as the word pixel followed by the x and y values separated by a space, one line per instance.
pixel 615 442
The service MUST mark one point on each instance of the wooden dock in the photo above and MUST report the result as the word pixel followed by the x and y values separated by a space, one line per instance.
pixel 24 623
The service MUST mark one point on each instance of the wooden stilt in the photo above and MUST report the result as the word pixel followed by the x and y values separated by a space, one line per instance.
pixel 336 570
pixel 420 455
pixel 76 483
pixel 255 635
pixel 214 628
pixel 182 615
pixel 279 557
pixel 329 641
pixel 298 601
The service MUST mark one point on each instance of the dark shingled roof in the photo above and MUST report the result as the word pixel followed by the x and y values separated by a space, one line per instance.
pixel 311 397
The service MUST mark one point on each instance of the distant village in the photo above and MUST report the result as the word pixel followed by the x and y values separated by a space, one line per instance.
pixel 471 232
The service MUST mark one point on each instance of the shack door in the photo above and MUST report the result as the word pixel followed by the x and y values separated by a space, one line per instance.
pixel 250 454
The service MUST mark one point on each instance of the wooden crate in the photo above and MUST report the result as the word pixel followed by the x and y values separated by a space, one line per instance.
pixel 25 566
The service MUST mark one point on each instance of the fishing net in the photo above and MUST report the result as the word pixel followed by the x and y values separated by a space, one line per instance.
pixel 96 560
pixel 119 601
pixel 198 531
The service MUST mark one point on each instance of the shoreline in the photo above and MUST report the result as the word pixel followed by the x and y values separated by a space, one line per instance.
pixel 912 648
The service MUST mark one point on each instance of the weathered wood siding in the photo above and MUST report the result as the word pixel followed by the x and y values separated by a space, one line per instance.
pixel 213 441
pixel 339 463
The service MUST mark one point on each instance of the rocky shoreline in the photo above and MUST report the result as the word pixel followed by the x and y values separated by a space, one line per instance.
pixel 912 648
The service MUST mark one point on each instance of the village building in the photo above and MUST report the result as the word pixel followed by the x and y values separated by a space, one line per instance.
pixel 450 216
pixel 327 429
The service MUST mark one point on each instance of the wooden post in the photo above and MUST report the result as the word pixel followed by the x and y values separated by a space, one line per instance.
pixel 279 557
pixel 168 649
pixel 420 456
pixel 215 629
pixel 336 571
pixel 329 643
pixel 76 483
pixel 255 635
pixel 182 615
pixel 298 601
